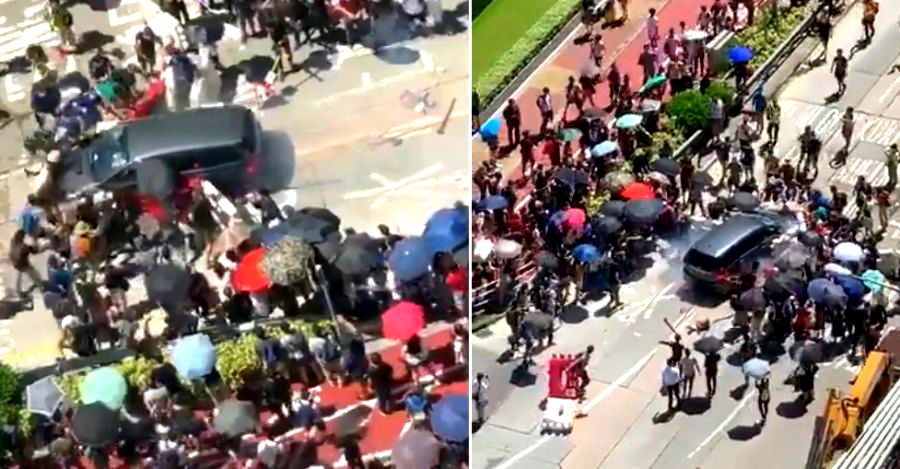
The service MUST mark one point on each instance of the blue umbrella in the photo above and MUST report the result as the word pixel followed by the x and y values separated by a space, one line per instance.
pixel 194 356
pixel 450 418
pixel 854 289
pixel 586 253
pixel 447 229
pixel 740 55
pixel 604 148
pixel 558 218
pixel 490 129
pixel 822 290
pixel 494 202
pixel 629 121
pixel 410 259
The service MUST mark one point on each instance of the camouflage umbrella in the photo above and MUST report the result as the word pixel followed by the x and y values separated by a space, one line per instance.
pixel 615 181
pixel 288 261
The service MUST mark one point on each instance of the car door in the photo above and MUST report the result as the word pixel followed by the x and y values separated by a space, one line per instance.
pixel 125 178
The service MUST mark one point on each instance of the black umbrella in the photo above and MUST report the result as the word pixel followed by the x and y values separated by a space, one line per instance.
pixel 667 166
pixel 702 179
pixel 606 225
pixel 782 286
pixel 808 352
pixel 363 240
pixel 811 238
pixel 304 227
pixel 594 113
pixel 538 322
pixel 643 212
pixel 744 201
pixel 613 208
pixel 167 284
pixel 357 259
pixel 235 418
pixel 95 425
pixel 708 344
pixel 752 299
pixel 256 68
pixel 571 177
pixel 328 249
pixel 546 259
pixel 323 214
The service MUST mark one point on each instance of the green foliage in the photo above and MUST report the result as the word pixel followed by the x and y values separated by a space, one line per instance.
pixel 26 422
pixel 10 394
pixel 594 201
pixel 530 44
pixel 136 371
pixel 478 6
pixel 769 31
pixel 689 111
pixel 721 90
pixel 70 384
pixel 237 360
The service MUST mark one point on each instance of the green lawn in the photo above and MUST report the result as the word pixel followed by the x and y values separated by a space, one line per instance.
pixel 499 26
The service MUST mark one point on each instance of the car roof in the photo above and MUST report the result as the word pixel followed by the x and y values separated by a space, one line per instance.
pixel 723 237
pixel 185 131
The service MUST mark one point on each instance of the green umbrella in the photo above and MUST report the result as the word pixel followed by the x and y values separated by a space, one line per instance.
pixel 873 280
pixel 569 135
pixel 653 82
pixel 629 121
pixel 105 385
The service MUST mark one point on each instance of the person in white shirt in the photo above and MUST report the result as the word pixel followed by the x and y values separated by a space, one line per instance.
pixel 653 28
pixel 671 378
pixel 689 369
pixel 479 396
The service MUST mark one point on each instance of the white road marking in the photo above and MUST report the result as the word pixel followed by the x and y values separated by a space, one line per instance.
pixel 34 10
pixel 400 77
pixel 427 61
pixel 724 423
pixel 884 96
pixel 367 82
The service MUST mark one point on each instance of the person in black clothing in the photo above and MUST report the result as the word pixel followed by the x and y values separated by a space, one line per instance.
pixel 513 117
pixel 352 453
pixel 676 346
pixel 711 367
pixel 244 10
pixel 281 46
pixel 381 377
pixel 476 108
pixel 264 202
pixel 145 43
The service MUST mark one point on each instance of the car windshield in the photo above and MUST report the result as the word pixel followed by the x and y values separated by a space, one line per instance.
pixel 108 155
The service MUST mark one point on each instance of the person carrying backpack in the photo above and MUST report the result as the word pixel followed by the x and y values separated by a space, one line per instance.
pixel 60 19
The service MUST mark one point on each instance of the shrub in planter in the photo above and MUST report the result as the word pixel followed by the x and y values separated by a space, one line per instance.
pixel 70 384
pixel 769 31
pixel 721 90
pixel 136 371
pixel 10 395
pixel 237 360
pixel 594 201
pixel 689 111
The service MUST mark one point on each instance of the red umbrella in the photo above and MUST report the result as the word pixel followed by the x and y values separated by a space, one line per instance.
pixel 638 191
pixel 458 281
pixel 402 321
pixel 153 206
pixel 575 218
pixel 249 276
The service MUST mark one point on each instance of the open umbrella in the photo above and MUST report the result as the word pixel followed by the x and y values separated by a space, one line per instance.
pixel 483 249
pixel 702 179
pixel 854 289
pixel 447 229
pixel 569 135
pixel 95 425
pixel 695 35
pixel 643 212
pixel 494 202
pixel 849 252
pixel 572 177
pixel 708 344
pixel 288 261
pixel 575 218
pixel 613 208
pixel 653 83
pixel 752 299
pixel 167 284
pixel 617 180
pixel 416 449
pixel 792 256
pixel 659 178
pixel 410 259
pixel 402 321
pixel 667 166
pixel 450 418
pixel 874 280
pixel 301 226
pixel 638 191
pixel 546 259
pixel 783 286
pixel 594 113
pixel 538 322
pixel 357 259
pixel 606 225
pixel 604 148
pixel 43 397
pixel 810 238
pixel 756 368
pixel 249 275
pixel 822 290
pixel 629 121
pixel 104 385
pixel 740 54
pixel 322 214
pixel 837 269
pixel 744 201
pixel 194 356
pixel 808 352
pixel 507 249
pixel 234 417
pixel 586 253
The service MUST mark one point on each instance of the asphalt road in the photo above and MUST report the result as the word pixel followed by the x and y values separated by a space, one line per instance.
pixel 623 427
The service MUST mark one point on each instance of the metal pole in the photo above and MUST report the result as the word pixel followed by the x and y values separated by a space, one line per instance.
pixel 323 284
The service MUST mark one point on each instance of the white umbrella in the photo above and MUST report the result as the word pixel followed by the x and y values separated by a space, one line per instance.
pixel 756 368
pixel 415 449
pixel 837 269
pixel 695 35
pixel 849 252
pixel 483 249
pixel 507 249
pixel 44 397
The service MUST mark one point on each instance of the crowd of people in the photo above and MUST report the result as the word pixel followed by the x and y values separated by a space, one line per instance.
pixel 574 222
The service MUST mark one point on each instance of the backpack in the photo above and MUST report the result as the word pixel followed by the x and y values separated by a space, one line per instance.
pixel 182 69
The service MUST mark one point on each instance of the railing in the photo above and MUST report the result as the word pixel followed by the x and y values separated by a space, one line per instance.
pixel 484 296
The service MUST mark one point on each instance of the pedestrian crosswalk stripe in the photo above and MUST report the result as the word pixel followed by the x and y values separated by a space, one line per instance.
pixel 116 20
